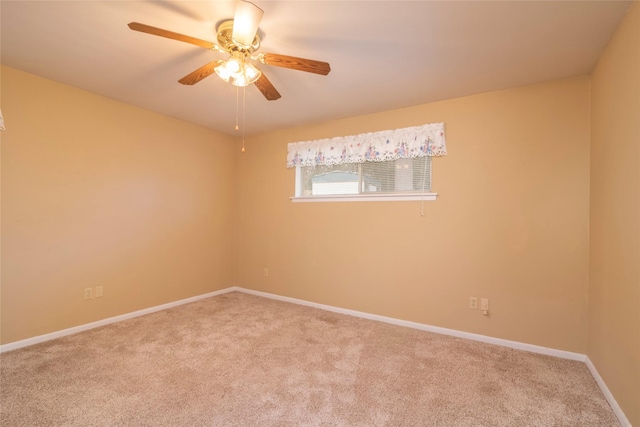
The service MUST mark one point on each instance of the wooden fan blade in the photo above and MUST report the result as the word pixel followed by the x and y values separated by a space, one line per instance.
pixel 267 89
pixel 200 73
pixel 301 64
pixel 136 26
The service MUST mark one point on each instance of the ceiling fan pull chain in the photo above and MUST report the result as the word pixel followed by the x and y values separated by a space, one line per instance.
pixel 237 102
pixel 244 109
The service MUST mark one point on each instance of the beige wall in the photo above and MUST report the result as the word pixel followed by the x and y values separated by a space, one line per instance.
pixel 510 222
pixel 100 193
pixel 614 273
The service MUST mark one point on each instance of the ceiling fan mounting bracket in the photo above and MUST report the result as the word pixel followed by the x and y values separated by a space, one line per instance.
pixel 227 44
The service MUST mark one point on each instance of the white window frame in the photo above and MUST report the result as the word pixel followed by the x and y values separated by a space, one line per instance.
pixel 362 197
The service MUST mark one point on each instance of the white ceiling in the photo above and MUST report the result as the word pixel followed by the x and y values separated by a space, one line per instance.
pixel 383 54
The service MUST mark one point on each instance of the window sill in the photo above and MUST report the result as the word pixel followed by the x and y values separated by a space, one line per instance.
pixel 367 198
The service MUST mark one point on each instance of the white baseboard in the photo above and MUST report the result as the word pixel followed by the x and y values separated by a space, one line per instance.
pixel 624 421
pixel 74 330
pixel 423 327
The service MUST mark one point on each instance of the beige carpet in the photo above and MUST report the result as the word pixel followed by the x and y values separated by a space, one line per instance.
pixel 241 360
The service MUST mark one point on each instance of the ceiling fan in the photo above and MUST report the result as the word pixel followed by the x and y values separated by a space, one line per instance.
pixel 239 39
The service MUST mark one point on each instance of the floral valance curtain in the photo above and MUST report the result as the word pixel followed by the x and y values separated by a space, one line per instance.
pixel 417 141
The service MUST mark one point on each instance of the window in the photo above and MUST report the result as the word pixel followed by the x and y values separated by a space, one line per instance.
pixel 387 165
pixel 394 176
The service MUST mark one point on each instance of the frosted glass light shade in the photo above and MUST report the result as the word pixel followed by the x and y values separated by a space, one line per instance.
pixel 246 22
pixel 237 72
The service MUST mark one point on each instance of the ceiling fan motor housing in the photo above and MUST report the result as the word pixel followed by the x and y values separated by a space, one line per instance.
pixel 228 44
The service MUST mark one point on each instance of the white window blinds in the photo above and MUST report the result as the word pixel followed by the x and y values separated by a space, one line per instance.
pixel 393 176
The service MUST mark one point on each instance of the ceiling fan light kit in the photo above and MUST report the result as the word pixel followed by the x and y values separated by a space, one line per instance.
pixel 239 39
pixel 237 71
